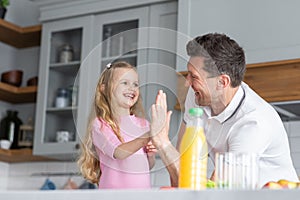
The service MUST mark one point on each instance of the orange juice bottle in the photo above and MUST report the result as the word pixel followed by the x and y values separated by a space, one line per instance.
pixel 193 154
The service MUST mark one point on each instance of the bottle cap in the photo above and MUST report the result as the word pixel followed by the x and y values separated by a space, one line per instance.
pixel 197 112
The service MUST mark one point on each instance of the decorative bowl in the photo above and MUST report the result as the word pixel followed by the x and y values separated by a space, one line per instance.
pixel 32 81
pixel 13 77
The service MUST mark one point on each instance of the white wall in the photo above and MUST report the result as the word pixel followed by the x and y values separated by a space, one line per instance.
pixel 22 13
pixel 268 30
pixel 293 130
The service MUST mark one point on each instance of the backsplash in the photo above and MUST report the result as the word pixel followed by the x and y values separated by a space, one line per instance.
pixel 32 175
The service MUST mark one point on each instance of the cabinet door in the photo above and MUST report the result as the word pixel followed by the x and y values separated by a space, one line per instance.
pixel 64 44
pixel 119 36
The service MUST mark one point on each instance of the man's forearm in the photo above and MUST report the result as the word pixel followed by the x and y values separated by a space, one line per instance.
pixel 170 158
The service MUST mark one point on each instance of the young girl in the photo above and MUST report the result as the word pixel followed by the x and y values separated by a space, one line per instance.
pixel 117 145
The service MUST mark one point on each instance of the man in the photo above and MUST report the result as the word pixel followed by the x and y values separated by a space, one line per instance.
pixel 235 118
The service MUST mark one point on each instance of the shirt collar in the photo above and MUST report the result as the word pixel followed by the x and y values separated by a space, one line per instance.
pixel 230 109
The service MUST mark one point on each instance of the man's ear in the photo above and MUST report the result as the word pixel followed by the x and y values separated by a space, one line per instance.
pixel 224 81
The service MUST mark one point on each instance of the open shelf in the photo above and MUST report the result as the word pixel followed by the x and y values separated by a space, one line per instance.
pixel 14 94
pixel 20 37
pixel 20 155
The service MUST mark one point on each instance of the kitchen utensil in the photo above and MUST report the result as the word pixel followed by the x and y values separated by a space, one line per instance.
pixel 13 77
pixel 235 170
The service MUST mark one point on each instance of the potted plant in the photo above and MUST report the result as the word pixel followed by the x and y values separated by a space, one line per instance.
pixel 3 5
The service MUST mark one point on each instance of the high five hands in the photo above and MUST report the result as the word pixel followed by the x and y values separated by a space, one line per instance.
pixel 160 121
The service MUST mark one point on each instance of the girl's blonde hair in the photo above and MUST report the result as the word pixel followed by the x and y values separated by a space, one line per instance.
pixel 88 160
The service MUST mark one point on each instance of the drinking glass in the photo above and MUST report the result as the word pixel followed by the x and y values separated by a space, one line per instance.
pixel 235 170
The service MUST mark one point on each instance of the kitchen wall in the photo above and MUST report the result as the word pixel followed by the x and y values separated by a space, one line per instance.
pixel 21 13
pixel 267 30
pixel 293 130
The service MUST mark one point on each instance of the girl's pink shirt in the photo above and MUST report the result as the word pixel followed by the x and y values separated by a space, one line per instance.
pixel 132 172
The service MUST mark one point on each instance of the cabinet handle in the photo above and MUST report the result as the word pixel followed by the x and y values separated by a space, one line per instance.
pixel 77 146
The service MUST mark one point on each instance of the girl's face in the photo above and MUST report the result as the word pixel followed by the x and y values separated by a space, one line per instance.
pixel 125 89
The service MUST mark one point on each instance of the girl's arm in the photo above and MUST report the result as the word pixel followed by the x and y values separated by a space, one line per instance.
pixel 151 151
pixel 127 149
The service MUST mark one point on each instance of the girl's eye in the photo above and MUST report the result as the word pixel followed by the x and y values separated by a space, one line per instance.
pixel 135 84
pixel 124 83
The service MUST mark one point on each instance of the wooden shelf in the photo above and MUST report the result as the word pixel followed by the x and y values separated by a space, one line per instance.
pixel 20 155
pixel 14 94
pixel 20 37
pixel 275 81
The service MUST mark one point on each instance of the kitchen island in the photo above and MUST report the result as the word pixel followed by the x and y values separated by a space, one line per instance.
pixel 153 194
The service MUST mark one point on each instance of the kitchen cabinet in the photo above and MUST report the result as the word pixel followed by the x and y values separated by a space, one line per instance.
pixel 50 117
pixel 97 39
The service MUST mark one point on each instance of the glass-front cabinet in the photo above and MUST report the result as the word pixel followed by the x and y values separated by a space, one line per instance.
pixel 65 44
pixel 118 36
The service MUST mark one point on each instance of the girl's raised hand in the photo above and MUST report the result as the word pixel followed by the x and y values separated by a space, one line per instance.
pixel 150 149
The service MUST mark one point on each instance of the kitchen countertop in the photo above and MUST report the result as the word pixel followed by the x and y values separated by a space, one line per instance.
pixel 174 194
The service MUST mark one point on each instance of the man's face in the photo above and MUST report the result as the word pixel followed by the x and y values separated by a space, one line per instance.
pixel 202 84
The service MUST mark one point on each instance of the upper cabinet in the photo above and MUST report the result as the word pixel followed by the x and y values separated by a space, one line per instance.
pixel 95 40
pixel 65 43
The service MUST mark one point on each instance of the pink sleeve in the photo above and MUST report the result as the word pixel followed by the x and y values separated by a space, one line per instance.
pixel 104 138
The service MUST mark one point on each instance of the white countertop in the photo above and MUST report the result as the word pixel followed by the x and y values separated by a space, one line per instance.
pixel 151 195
